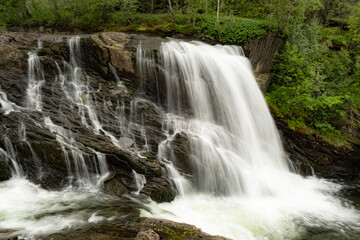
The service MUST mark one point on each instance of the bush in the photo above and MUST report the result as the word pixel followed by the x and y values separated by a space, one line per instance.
pixel 314 91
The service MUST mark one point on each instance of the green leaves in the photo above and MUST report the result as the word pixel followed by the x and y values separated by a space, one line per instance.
pixel 315 89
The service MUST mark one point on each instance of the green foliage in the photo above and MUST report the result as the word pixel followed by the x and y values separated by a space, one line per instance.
pixel 315 90
pixel 239 30
pixel 354 27
pixel 334 37
pixel 12 12
pixel 229 30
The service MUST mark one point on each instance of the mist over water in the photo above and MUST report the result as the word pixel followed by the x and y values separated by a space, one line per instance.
pixel 243 186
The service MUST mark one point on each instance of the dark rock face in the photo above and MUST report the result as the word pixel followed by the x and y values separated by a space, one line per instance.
pixel 108 48
pixel 261 52
pixel 5 172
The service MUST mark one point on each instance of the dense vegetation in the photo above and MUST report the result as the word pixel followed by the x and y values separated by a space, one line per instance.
pixel 316 78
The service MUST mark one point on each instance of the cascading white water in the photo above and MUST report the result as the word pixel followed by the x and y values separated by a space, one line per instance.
pixel 6 105
pixel 140 181
pixel 22 137
pixel 243 187
pixel 145 64
pixel 232 134
pixel 119 83
pixel 75 85
pixel 8 155
pixel 80 171
pixel 35 82
pixel 29 212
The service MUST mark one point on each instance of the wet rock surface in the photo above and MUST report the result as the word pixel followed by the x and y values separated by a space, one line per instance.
pixel 261 52
pixel 108 98
pixel 144 229
pixel 311 154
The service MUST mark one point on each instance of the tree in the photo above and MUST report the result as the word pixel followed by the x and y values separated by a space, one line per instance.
pixel 218 11
pixel 289 13
pixel 172 11
pixel 13 12
pixel 354 26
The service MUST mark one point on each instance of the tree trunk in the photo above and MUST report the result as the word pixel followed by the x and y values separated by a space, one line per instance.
pixel 172 11
pixel 206 7
pixel 218 10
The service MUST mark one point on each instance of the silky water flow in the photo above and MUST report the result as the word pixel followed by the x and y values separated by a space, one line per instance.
pixel 243 185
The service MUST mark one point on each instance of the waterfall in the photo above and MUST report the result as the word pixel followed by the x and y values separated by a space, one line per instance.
pixel 22 137
pixel 242 186
pixel 233 137
pixel 27 210
pixel 6 105
pixel 140 181
pixel 145 64
pixel 119 83
pixel 8 155
pixel 217 144
pixel 36 80
pixel 75 85
pixel 78 169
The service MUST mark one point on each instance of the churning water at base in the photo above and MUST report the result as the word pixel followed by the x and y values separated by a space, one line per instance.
pixel 30 211
pixel 242 185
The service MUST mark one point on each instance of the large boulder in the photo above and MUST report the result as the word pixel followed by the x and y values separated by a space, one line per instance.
pixel 144 228
pixel 103 49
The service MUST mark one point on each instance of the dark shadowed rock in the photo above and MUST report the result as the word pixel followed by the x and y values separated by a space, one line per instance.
pixel 261 52
pixel 5 172
pixel 312 153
